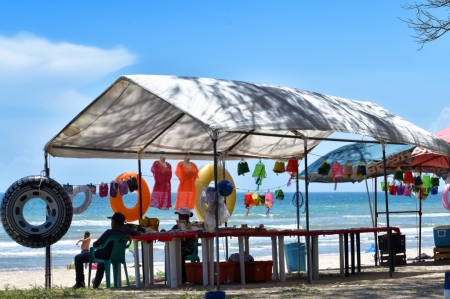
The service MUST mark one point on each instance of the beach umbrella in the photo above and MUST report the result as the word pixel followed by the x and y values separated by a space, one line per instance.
pixel 353 154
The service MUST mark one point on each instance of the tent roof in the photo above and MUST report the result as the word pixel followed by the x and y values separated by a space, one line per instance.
pixel 352 153
pixel 178 114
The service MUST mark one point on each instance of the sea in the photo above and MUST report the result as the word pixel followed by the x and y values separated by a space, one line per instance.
pixel 328 210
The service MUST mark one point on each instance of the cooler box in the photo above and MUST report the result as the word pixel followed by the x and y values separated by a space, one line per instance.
pixel 442 236
pixel 291 255
pixel 398 242
pixel 194 272
pixel 254 271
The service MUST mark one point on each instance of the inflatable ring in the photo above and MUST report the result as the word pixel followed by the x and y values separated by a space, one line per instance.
pixel 132 214
pixel 205 177
pixel 87 202
pixel 444 197
pixel 59 211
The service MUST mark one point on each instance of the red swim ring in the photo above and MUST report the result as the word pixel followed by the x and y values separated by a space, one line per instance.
pixel 133 213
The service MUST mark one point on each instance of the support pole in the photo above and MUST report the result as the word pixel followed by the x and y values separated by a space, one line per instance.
pixel 376 224
pixel 226 223
pixel 298 221
pixel 144 256
pixel 308 247
pixel 389 233
pixel 214 139
pixel 48 253
pixel 420 217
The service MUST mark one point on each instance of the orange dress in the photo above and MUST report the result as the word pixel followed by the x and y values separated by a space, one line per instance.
pixel 186 189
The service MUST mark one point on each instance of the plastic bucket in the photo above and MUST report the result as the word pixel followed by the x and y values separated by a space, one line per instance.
pixel 291 255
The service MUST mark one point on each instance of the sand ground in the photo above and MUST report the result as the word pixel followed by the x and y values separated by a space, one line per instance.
pixel 417 279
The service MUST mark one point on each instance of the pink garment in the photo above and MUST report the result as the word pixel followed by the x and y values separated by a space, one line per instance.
pixel 161 196
pixel 269 199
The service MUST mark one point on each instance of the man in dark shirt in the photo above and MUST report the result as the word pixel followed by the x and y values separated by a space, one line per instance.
pixel 117 228
pixel 187 245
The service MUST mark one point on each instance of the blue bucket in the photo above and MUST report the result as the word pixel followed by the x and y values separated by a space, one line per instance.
pixel 291 255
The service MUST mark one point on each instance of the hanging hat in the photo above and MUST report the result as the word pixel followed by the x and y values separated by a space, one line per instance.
pixel 225 188
pixel 408 179
pixel 325 168
pixel 361 170
pixel 279 167
pixel 348 170
pixel 398 174
pixel 243 167
pixel 279 194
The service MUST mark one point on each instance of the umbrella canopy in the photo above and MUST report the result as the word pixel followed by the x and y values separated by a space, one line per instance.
pixel 147 114
pixel 353 153
pixel 419 159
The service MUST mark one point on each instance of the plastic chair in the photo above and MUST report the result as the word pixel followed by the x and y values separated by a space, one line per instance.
pixel 194 256
pixel 117 257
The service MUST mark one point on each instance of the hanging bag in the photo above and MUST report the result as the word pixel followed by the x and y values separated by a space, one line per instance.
pixel 348 170
pixel 324 168
pixel 398 174
pixel 243 167
pixel 279 167
pixel 400 189
pixel 361 170
pixel 393 189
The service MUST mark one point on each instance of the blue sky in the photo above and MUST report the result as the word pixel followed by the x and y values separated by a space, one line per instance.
pixel 57 56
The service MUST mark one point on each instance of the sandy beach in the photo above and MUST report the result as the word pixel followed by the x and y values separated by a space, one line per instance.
pixel 417 278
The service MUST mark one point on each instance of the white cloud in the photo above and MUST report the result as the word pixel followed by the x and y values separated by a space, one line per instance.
pixel 442 122
pixel 26 55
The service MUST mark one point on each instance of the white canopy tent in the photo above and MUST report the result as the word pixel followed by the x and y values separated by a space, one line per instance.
pixel 139 116
pixel 173 114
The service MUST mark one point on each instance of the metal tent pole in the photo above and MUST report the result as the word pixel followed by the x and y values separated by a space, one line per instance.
pixel 308 252
pixel 420 215
pixel 391 256
pixel 226 223
pixel 214 139
pixel 376 224
pixel 140 217
pixel 48 253
pixel 298 222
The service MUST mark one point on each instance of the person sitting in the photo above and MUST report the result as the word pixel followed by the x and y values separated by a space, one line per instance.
pixel 187 244
pixel 117 228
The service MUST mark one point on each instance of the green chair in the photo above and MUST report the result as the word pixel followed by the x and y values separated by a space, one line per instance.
pixel 194 256
pixel 117 257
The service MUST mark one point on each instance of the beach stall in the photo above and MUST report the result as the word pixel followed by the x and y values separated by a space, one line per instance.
pixel 139 116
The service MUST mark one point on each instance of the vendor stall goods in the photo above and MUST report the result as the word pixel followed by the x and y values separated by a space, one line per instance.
pixel 279 194
pixel 161 196
pixel 186 188
pixel 348 170
pixel 325 168
pixel 259 174
pixel 279 167
pixel 336 172
pixel 103 190
pixel 398 174
pixel 361 170
pixel 243 167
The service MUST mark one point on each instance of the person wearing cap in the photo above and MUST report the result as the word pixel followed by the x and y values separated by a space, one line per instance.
pixel 117 228
pixel 187 244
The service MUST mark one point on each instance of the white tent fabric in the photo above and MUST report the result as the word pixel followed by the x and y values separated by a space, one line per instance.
pixel 178 114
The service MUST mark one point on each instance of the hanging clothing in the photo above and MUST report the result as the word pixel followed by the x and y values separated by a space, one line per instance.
pixel 161 196
pixel 186 189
